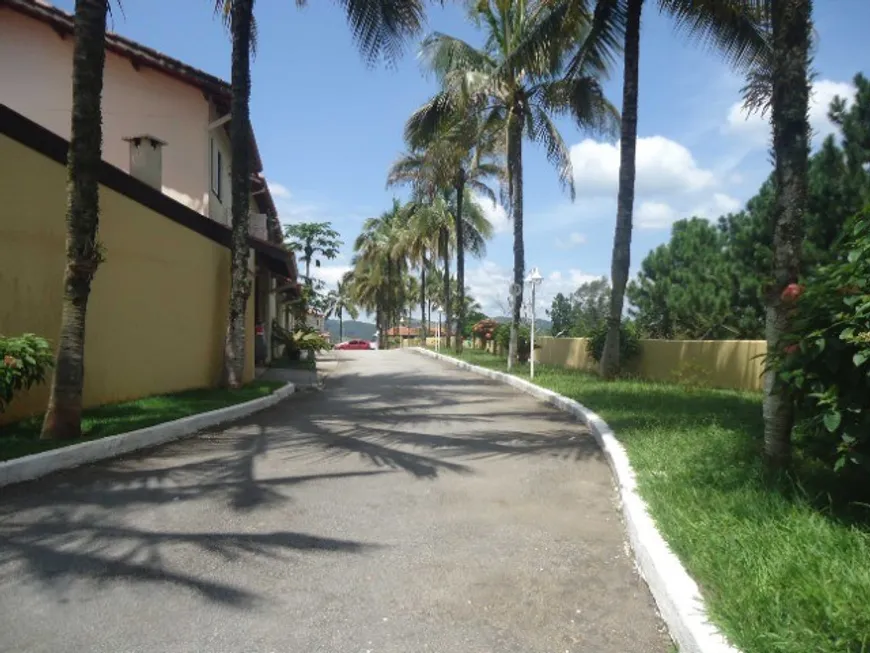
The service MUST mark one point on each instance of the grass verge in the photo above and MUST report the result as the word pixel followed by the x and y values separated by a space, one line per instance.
pixel 783 563
pixel 22 438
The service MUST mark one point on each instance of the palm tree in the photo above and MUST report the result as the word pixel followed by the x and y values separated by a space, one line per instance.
pixel 340 301
pixel 379 27
pixel 729 26
pixel 83 251
pixel 466 153
pixel 789 82
pixel 379 267
pixel 515 89
pixel 240 14
pixel 312 240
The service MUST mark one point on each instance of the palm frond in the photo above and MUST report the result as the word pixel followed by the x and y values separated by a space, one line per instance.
pixel 381 27
pixel 600 40
pixel 583 98
pixel 540 129
pixel 442 54
pixel 734 28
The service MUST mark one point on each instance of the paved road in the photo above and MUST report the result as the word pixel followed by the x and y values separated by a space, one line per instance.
pixel 409 507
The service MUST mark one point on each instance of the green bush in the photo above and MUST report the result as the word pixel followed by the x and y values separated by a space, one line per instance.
pixel 629 342
pixel 24 361
pixel 825 360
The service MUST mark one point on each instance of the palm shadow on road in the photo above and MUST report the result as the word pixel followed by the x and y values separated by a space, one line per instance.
pixel 76 526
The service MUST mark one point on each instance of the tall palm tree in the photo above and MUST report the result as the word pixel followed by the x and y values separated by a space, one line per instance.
pixel 379 27
pixel 83 251
pixel 728 26
pixel 341 301
pixel 466 154
pixel 789 76
pixel 379 267
pixel 516 89
pixel 241 16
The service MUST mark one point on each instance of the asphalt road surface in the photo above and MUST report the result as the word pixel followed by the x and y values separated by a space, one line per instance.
pixel 408 507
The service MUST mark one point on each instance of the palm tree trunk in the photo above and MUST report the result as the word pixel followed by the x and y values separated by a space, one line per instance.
pixel 621 260
pixel 83 254
pixel 791 28
pixel 448 310
pixel 341 325
pixel 515 181
pixel 423 330
pixel 460 261
pixel 240 278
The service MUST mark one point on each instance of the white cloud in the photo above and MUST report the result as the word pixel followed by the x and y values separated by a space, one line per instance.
pixel 655 215
pixel 574 239
pixel 755 128
pixel 330 274
pixel 663 166
pixel 718 204
pixel 489 284
pixel 495 213
pixel 278 190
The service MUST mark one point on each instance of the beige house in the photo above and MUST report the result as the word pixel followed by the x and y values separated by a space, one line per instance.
pixel 161 295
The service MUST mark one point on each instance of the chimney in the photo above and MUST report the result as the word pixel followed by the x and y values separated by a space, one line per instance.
pixel 146 159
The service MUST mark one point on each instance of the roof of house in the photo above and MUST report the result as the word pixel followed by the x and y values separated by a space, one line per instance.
pixel 278 260
pixel 214 88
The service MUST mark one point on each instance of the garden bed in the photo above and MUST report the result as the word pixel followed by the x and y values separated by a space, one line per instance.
pixel 782 563
pixel 22 438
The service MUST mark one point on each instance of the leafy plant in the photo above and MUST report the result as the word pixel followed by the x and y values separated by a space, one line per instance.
pixel 629 342
pixel 825 360
pixel 24 360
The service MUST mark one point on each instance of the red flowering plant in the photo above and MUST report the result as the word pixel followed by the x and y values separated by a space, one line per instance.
pixel 484 329
pixel 24 360
pixel 825 359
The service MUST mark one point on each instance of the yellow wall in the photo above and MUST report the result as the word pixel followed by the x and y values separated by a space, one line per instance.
pixel 157 310
pixel 733 364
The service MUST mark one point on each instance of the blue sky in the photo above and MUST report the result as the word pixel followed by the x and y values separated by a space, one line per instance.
pixel 328 128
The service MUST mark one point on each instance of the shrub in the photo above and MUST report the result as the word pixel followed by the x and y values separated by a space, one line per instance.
pixel 629 342
pixel 825 360
pixel 23 363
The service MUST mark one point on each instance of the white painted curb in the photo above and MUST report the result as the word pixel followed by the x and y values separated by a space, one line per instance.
pixel 676 594
pixel 39 464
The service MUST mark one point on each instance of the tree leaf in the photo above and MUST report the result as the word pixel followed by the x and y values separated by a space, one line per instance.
pixel 832 420
pixel 846 334
pixel 860 358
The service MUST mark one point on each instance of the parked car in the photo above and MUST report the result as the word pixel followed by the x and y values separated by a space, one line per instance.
pixel 354 345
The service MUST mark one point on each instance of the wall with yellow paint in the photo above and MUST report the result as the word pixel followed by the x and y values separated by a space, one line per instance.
pixel 731 364
pixel 158 305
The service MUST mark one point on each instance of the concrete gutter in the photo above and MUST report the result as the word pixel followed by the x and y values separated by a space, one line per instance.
pixel 30 467
pixel 676 594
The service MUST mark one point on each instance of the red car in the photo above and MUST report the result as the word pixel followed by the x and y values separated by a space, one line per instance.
pixel 354 344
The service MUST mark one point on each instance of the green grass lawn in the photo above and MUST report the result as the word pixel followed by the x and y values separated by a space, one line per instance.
pixel 22 438
pixel 784 564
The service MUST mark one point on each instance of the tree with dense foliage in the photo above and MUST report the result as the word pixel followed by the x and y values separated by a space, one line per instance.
pixel 681 291
pixel 83 250
pixel 824 360
pixel 561 315
pixel 582 312
pixel 514 82
pixel 838 186
pixel 313 240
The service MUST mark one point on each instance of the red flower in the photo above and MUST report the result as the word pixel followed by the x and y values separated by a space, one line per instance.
pixel 792 292
pixel 10 361
pixel 792 349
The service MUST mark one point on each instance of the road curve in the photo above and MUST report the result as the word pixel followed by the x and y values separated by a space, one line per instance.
pixel 407 507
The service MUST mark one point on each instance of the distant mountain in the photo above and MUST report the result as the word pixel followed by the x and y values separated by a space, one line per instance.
pixel 353 330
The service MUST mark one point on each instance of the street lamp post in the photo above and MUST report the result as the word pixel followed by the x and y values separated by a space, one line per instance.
pixel 437 307
pixel 534 280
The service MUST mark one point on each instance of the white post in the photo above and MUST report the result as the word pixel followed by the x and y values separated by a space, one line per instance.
pixel 532 353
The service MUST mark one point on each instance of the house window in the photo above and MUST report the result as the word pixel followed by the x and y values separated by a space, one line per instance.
pixel 217 169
